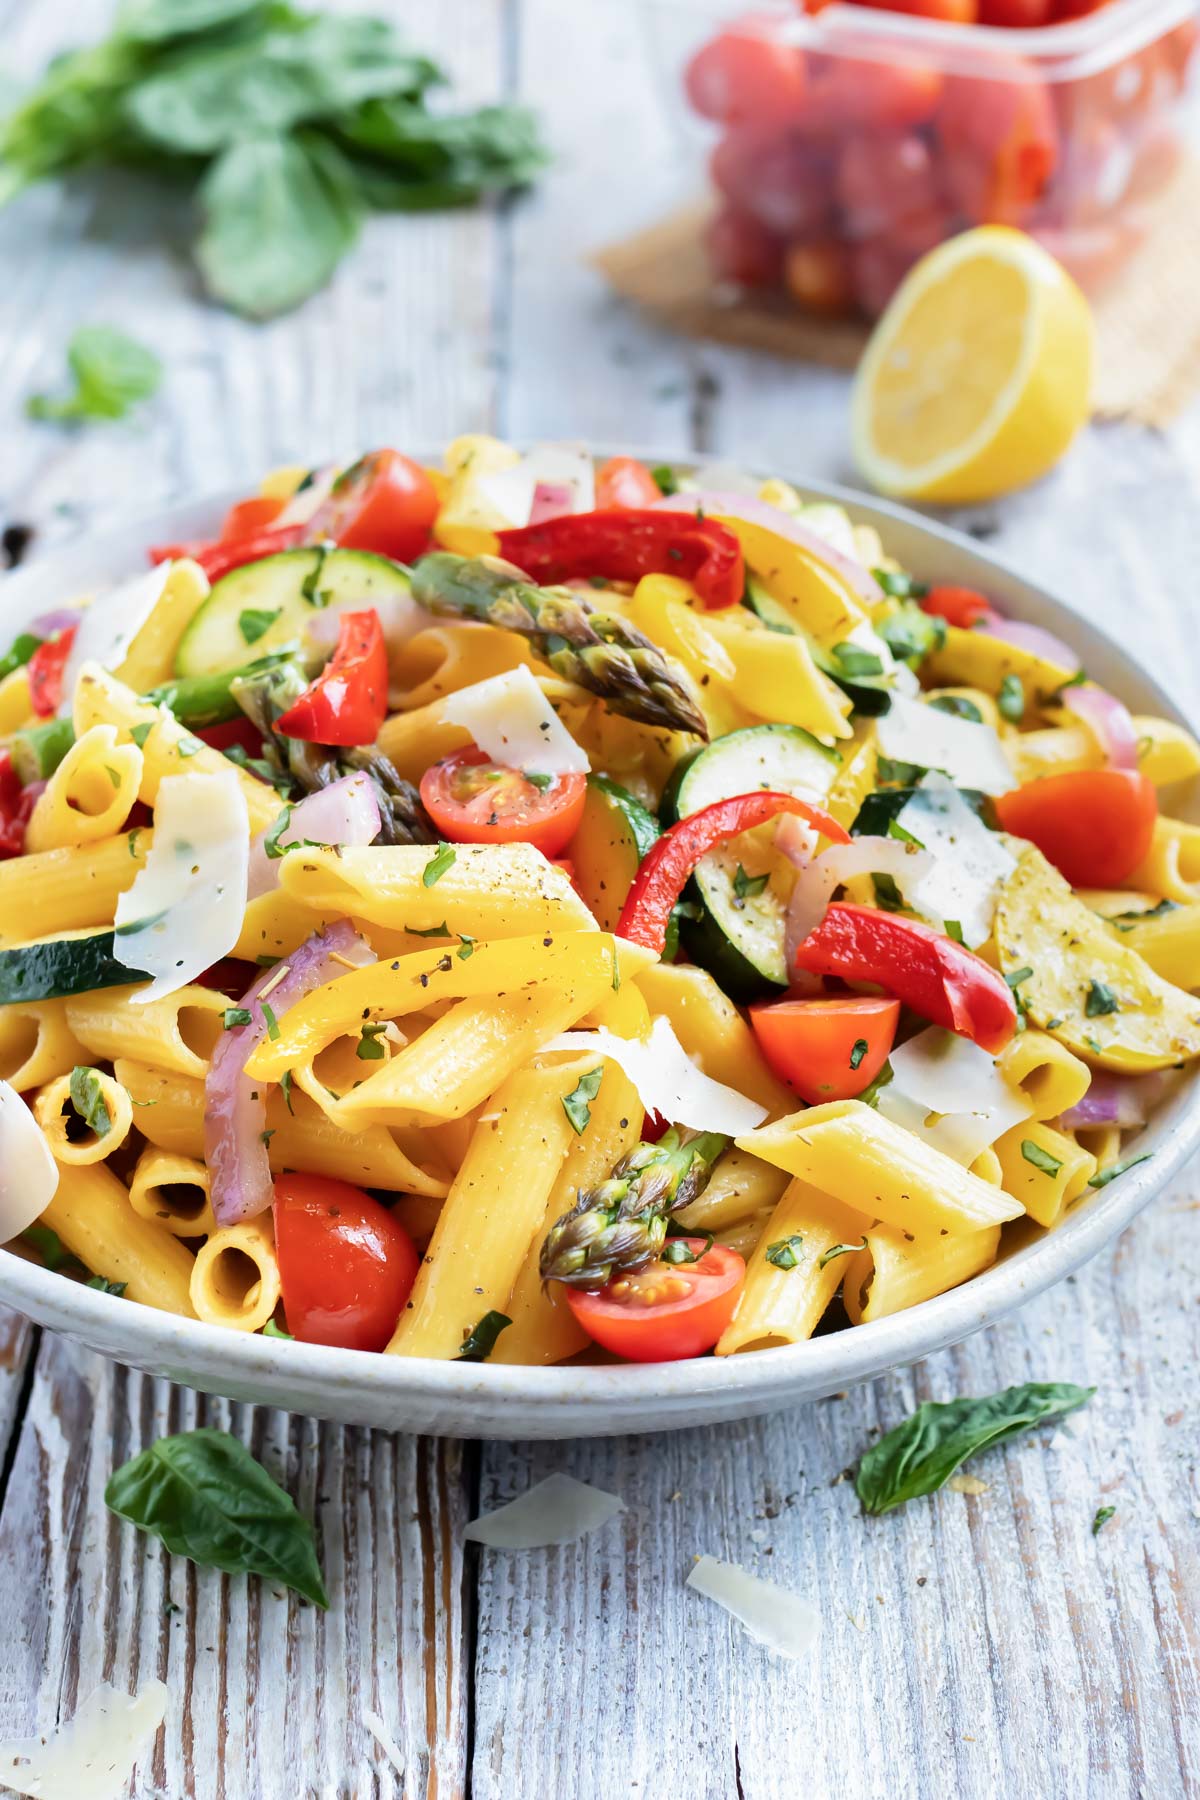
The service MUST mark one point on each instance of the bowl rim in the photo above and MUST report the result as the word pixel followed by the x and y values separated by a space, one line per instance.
pixel 586 1398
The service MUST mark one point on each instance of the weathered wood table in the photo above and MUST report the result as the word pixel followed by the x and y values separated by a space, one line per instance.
pixel 976 1645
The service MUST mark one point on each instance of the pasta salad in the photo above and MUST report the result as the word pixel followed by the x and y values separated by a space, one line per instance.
pixel 529 909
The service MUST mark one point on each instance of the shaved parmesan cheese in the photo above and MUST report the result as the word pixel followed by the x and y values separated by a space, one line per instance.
pixel 28 1172
pixel 667 1080
pixel 949 1092
pixel 772 1615
pixel 109 625
pixel 384 1739
pixel 510 491
pixel 970 863
pixel 93 1756
pixel 184 910
pixel 971 755
pixel 556 1511
pixel 512 721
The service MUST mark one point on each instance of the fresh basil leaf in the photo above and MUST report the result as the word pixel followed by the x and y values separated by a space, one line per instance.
pixel 1100 1000
pixel 106 1287
pixel 443 858
pixel 157 21
pixel 1010 701
pixel 911 634
pixel 1139 918
pixel 278 220
pixel 466 950
pixel 577 1104
pixel 286 1083
pixel 920 1455
pixel 870 1094
pixel 1102 1177
pixel 1041 1159
pixel 139 733
pixel 233 1016
pixel 272 1023
pixel 408 158
pixel 677 1250
pixel 896 830
pixel 271 842
pixel 254 622
pixel 478 1345
pixel 206 1497
pixel 887 895
pixel 19 653
pixel 666 478
pixel 746 886
pixel 439 931
pixel 87 1098
pixel 112 373
pixel 890 772
pixel 786 1253
pixel 541 782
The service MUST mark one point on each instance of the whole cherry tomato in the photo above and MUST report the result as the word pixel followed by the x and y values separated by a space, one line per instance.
pixel 347 1266
pixel 746 74
pixel 1095 825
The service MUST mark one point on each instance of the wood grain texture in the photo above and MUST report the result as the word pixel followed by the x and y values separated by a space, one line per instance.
pixel 972 1645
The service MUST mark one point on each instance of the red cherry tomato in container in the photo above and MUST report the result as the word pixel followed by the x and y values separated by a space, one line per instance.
pixel 666 1311
pixel 1000 143
pixel 746 73
pixel 1095 825
pixel 473 800
pixel 346 1265
pixel 385 502
pixel 740 249
pixel 826 1049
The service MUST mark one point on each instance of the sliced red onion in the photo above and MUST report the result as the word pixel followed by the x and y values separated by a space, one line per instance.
pixel 551 499
pixel 715 503
pixel 345 812
pixel 1033 638
pixel 400 618
pixel 59 618
pixel 235 1107
pixel 1108 718
pixel 1121 1100
pixel 818 879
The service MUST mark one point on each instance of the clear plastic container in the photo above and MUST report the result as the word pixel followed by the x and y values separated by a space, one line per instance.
pixel 843 144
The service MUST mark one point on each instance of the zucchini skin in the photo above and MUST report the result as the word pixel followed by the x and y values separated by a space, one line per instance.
pixel 59 967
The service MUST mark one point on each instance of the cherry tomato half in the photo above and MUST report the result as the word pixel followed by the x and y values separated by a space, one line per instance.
pixel 473 800
pixel 248 517
pixel 668 1310
pixel 623 481
pixel 826 1049
pixel 385 502
pixel 959 606
pixel 346 1265
pixel 1095 826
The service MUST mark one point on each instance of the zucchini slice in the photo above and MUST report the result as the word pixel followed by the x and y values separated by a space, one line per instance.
pixel 739 935
pixel 73 963
pixel 614 835
pixel 264 605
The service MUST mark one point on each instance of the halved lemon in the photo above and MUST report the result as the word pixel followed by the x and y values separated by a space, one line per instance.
pixel 978 375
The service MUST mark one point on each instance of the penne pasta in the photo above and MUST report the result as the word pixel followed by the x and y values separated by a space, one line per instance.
pixel 89 796
pixel 713 1032
pixel 69 888
pixel 896 1271
pixel 174 1191
pixel 37 1044
pixel 150 658
pixel 790 1277
pixel 235 1277
pixel 91 1214
pixel 1044 1169
pixel 179 1032
pixel 74 1140
pixel 1051 1079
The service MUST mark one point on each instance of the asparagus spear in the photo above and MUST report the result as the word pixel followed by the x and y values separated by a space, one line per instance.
pixel 199 701
pixel 599 650
pixel 621 1223
pixel 263 696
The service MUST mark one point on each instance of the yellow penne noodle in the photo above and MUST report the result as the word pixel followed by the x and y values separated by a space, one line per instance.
pixel 174 1191
pixel 739 1185
pixel 89 795
pixel 150 658
pixel 987 1167
pixel 1172 867
pixel 91 1213
pixel 36 1044
pixel 1044 1169
pixel 896 1271
pixel 713 1032
pixel 70 1138
pixel 169 748
pixel 489 891
pixel 282 483
pixel 16 708
pixel 852 1153
pixel 496 1204
pixel 68 889
pixel 1051 1079
pixel 179 1032
pixel 235 1277
pixel 1101 1141
pixel 1168 941
pixel 1166 751
pixel 744 1235
pixel 170 1113
pixel 776 677
pixel 275 924
pixel 660 609
pixel 976 659
pixel 802 582
pixel 413 740
pixel 790 1278
pixel 543 1328
pixel 445 658
pixel 640 757
pixel 1053 750
pixel 390 990
pixel 855 779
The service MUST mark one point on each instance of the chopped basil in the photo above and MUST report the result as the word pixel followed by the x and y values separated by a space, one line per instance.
pixel 666 478
pixel 1100 1000
pixel 1053 1024
pixel 1139 918
pixel 286 1081
pixel 1102 1177
pixel 478 1345
pixel 835 1250
pixel 233 1016
pixel 1014 981
pixel 887 894
pixel 271 843
pixel 264 1137
pixel 272 1022
pixel 616 974
pixel 920 1455
pixel 258 765
pixel 51 1249
pixel 852 661
pixel 891 773
pixel 134 835
pixel 1010 701
pixel 139 733
pixel 958 706
pixel 540 782
pixel 677 1249
pixel 254 623
pixel 87 1098
pixel 1094 1046
pixel 896 830
pixel 188 745
pixel 860 1049
pixel 466 946
pixel 442 930
pixel 899 586
pixel 1041 1159
pixel 1103 1515
pixel 954 930
pixel 271 1329
pixel 786 1253
pixel 443 858
pixel 369 1047
pixel 746 886
pixel 577 1104
pixel 106 1287
pixel 870 1095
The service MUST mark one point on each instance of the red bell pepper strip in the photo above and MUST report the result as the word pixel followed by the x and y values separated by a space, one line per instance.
pixel 959 606
pixel 16 804
pixel 665 869
pixel 347 703
pixel 45 668
pixel 941 980
pixel 628 543
pixel 219 559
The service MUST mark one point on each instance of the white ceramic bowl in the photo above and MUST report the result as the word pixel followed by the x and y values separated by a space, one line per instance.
pixel 478 1400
